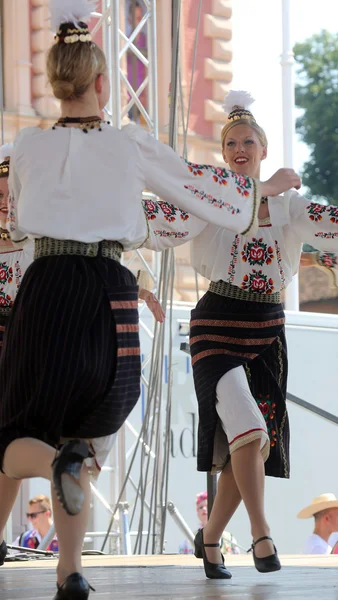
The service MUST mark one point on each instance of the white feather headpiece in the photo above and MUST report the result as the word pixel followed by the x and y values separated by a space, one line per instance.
pixel 237 99
pixel 5 151
pixel 70 11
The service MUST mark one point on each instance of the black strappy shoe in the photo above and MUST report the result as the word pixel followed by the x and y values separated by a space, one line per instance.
pixel 75 587
pixel 3 553
pixel 69 462
pixel 267 564
pixel 212 570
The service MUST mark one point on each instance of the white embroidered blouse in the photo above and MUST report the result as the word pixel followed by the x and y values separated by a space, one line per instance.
pixel 261 262
pixel 13 264
pixel 66 184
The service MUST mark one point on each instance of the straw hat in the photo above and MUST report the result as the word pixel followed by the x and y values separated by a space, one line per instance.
pixel 322 502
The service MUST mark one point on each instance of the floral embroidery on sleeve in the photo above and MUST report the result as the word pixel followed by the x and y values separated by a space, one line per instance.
pixel 152 210
pixel 330 235
pixel 333 214
pixel 217 202
pixel 197 170
pixel 220 175
pixel 243 184
pixel 257 253
pixel 178 235
pixel 258 282
pixel 170 211
pixel 315 211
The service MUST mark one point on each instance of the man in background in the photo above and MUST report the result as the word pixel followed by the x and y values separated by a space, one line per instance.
pixel 40 517
pixel 324 509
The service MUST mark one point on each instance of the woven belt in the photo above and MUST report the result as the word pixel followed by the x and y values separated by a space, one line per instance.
pixel 50 247
pixel 222 288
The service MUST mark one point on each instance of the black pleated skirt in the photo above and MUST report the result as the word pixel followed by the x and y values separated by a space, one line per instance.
pixel 70 362
pixel 226 333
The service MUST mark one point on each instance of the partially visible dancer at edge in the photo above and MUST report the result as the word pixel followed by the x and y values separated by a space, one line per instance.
pixel 76 189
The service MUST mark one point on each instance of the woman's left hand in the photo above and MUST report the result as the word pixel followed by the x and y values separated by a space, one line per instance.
pixel 153 304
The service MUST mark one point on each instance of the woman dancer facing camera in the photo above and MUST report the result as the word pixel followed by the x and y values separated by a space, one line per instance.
pixel 75 320
pixel 237 341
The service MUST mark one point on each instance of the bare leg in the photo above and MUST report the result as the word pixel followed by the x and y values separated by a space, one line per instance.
pixel 27 457
pixel 9 489
pixel 248 470
pixel 226 502
pixel 71 532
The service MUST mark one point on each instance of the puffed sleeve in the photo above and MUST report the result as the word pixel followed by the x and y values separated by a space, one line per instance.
pixel 316 224
pixel 214 195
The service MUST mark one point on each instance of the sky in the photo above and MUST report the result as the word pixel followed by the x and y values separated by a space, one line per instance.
pixel 257 49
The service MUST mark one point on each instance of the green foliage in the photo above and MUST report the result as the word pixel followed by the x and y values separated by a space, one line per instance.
pixel 317 94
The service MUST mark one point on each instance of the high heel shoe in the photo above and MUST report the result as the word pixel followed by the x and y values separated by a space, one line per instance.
pixel 75 587
pixel 212 570
pixel 265 564
pixel 3 553
pixel 69 462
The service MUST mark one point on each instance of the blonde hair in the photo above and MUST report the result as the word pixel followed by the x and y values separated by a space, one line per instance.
pixel 71 68
pixel 44 502
pixel 251 123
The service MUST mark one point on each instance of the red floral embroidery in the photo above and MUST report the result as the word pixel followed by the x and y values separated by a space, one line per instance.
pixel 18 273
pixel 217 202
pixel 280 265
pixel 6 273
pixel 151 209
pixel 258 282
pixel 169 211
pixel 197 169
pixel 315 211
pixel 268 410
pixel 329 235
pixel 257 253
pixel 333 213
pixel 243 184
pixel 168 234
pixel 5 299
pixel 220 175
pixel 328 259
pixel 234 258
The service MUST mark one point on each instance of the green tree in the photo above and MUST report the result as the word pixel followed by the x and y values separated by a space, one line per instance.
pixel 317 94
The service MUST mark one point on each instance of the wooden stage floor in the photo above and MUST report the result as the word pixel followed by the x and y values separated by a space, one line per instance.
pixel 175 577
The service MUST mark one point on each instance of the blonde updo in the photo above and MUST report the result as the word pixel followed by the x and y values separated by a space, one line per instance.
pixel 72 68
pixel 245 121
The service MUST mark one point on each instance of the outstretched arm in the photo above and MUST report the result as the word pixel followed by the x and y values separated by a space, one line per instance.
pixel 214 195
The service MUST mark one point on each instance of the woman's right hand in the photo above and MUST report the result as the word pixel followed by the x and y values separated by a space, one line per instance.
pixel 281 181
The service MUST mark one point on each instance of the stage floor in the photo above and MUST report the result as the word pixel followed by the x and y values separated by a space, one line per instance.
pixel 173 577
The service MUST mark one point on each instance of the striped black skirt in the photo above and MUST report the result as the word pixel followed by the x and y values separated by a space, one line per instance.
pixel 70 363
pixel 227 333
